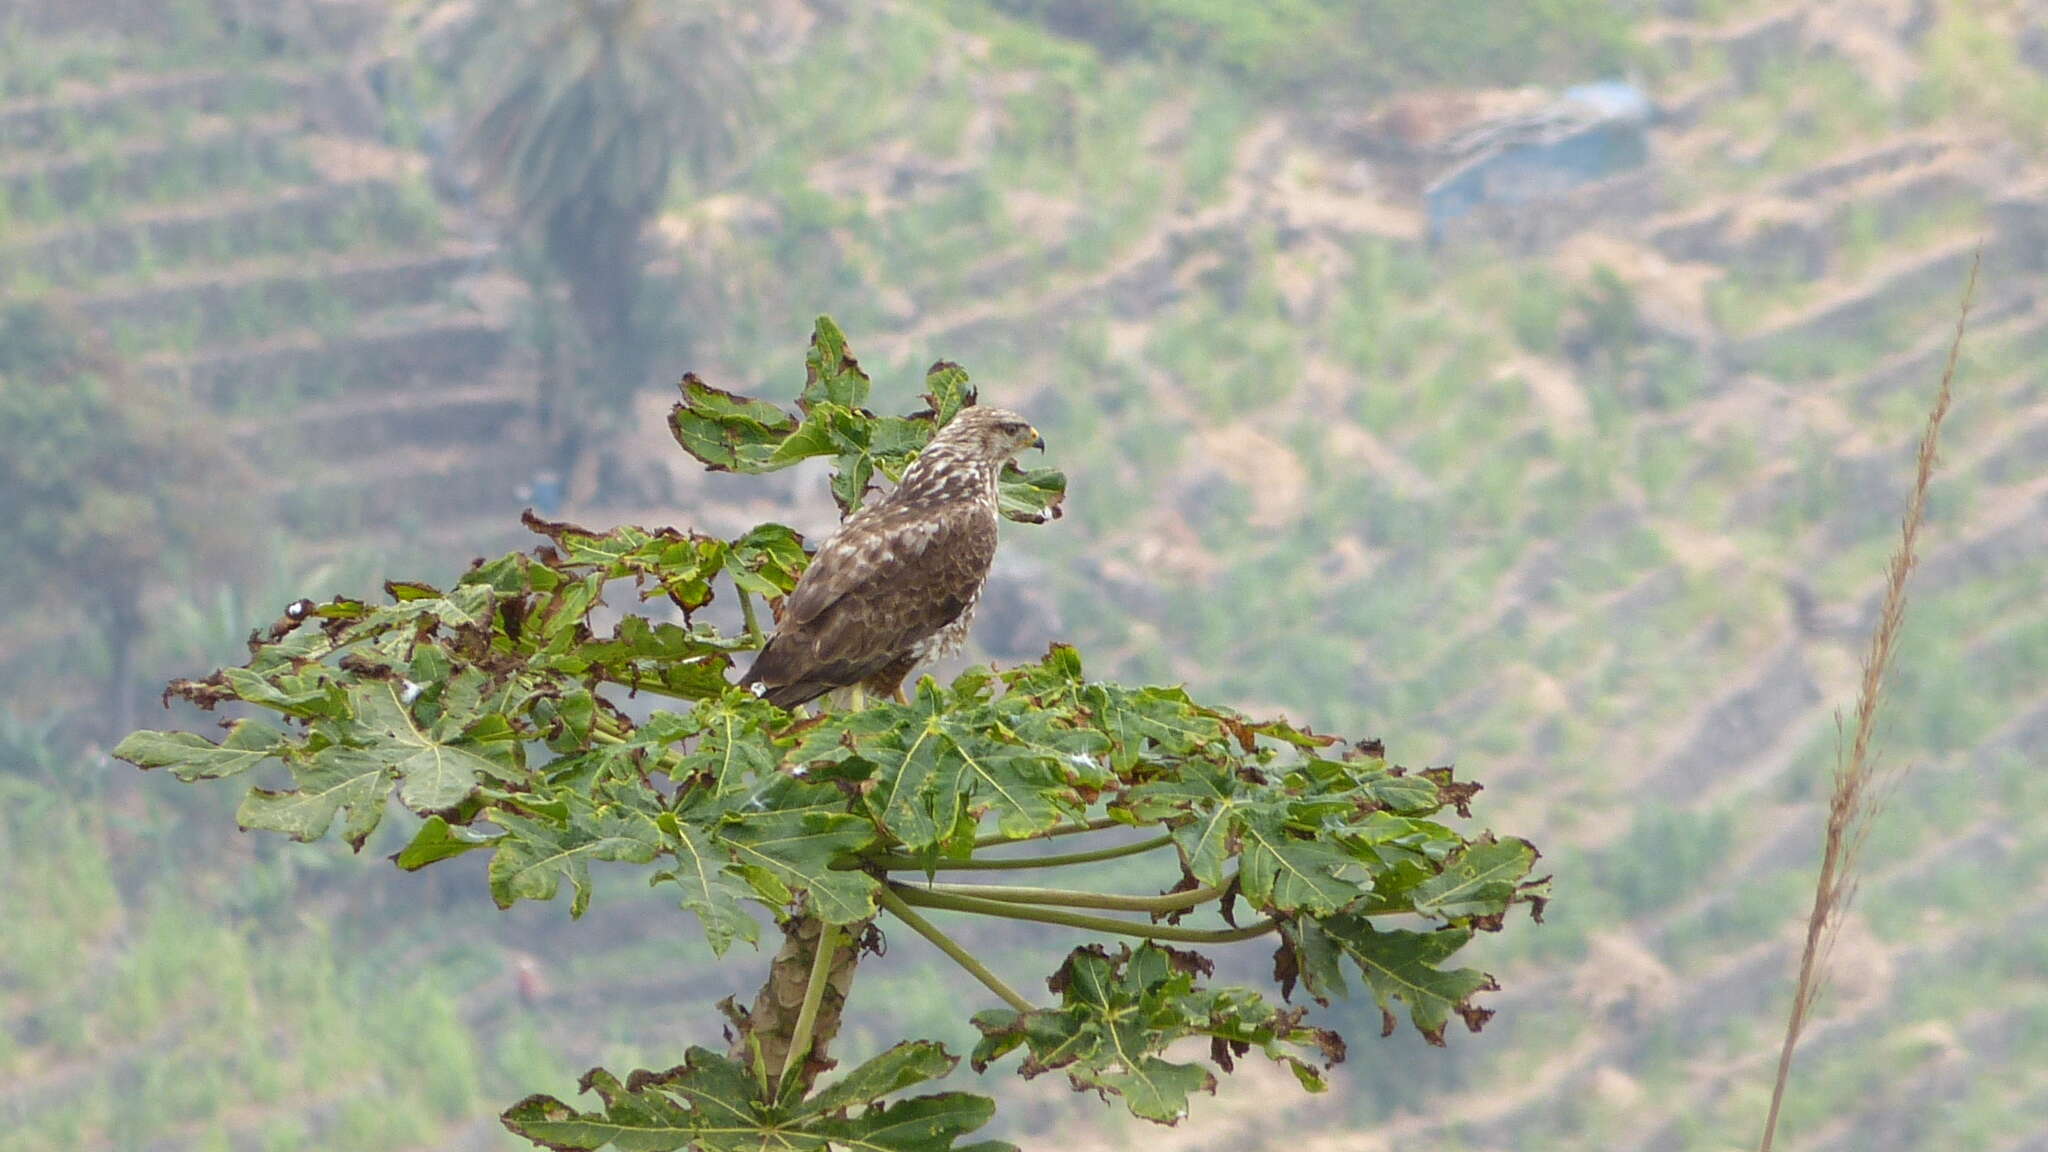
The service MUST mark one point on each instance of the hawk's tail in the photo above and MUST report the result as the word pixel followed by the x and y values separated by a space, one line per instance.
pixel 762 679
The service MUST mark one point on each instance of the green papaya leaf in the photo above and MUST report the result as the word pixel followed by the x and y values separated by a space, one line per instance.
pixel 831 374
pixel 789 852
pixel 1285 872
pixel 438 840
pixel 329 782
pixel 434 777
pixel 1405 966
pixel 304 695
pixel 947 391
pixel 1143 720
pixel 713 1103
pixel 536 853
pixel 1118 1013
pixel 1477 881
pixel 729 433
pixel 767 561
pixel 907 1064
pixel 193 757
pixel 708 885
pixel 1206 793
pixel 1031 496
pixel 1025 788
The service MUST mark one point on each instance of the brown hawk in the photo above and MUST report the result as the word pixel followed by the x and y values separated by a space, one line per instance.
pixel 897 584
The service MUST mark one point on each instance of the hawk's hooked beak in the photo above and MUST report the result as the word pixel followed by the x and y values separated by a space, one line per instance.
pixel 1037 441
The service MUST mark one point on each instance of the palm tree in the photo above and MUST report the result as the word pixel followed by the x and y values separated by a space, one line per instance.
pixel 583 110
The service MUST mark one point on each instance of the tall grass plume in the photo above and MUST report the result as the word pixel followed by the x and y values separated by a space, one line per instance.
pixel 1860 783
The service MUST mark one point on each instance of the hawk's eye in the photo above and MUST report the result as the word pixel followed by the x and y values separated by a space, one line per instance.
pixel 1010 428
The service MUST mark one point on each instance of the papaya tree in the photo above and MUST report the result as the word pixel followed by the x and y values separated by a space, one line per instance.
pixel 505 720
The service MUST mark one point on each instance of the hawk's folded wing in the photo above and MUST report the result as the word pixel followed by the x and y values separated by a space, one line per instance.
pixel 884 583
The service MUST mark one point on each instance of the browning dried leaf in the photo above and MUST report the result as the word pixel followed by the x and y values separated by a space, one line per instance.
pixel 205 693
pixel 1286 968
pixel 1456 793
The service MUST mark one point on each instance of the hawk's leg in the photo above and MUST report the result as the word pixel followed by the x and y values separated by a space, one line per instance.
pixel 889 681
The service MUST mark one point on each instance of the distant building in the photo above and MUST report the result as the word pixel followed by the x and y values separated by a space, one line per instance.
pixel 1590 133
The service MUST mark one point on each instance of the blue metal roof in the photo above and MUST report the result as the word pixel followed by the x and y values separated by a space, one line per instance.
pixel 1612 100
pixel 1589 132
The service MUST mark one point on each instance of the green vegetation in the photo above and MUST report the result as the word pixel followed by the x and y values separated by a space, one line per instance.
pixel 1974 70
pixel 101 475
pixel 151 994
pixel 1292 46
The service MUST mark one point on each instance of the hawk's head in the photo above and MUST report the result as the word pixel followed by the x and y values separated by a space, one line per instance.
pixel 990 435
pixel 965 457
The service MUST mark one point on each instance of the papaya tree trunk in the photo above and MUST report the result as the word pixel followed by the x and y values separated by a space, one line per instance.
pixel 771 1025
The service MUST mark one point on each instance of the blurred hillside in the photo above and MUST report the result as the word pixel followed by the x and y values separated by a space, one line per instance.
pixel 1589 492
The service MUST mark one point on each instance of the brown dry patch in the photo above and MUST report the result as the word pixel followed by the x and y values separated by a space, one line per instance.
pixel 1347 559
pixel 1897 278
pixel 1874 37
pixel 1556 393
pixel 1860 967
pixel 1429 119
pixel 1327 385
pixel 1359 448
pixel 498 295
pixel 1307 273
pixel 1326 195
pixel 1265 468
pixel 1166 128
pixel 1046 219
pixel 1545 693
pixel 1698 549
pixel 1670 295
pixel 1623 981
pixel 346 159
pixel 1615 1088
pixel 714 220
pixel 1171 549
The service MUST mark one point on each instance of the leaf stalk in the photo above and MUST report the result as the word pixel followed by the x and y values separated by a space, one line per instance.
pixel 814 995
pixel 1098 824
pixel 901 909
pixel 1075 898
pixel 1014 911
pixel 750 616
pixel 897 863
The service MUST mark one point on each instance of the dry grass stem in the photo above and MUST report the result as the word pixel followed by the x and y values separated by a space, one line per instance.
pixel 1859 786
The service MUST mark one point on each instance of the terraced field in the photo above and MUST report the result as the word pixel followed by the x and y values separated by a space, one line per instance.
pixel 224 204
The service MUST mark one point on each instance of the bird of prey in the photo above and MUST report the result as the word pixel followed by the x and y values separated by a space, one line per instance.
pixel 897 584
